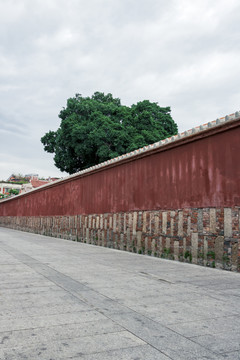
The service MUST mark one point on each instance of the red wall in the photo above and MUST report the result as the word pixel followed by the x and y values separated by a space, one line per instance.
pixel 201 173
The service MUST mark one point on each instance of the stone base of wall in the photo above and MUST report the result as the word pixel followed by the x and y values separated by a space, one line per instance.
pixel 208 237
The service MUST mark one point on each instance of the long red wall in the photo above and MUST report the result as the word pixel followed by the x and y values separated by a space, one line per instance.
pixel 199 171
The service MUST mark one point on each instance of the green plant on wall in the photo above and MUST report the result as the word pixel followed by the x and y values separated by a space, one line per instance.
pixel 188 255
pixel 225 261
pixel 166 254
pixel 211 255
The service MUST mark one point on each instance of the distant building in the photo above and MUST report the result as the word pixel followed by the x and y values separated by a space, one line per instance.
pixel 5 187
pixel 31 177
pixel 26 187
pixel 16 178
pixel 53 179
pixel 32 181
pixel 33 184
pixel 36 183
pixel 21 178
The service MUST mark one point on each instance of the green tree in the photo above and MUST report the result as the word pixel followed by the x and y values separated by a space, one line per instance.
pixel 14 191
pixel 95 129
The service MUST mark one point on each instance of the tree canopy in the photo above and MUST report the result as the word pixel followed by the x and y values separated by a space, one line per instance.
pixel 97 128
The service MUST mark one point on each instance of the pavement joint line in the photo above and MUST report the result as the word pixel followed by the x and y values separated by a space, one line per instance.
pixel 154 277
pixel 141 338
pixel 54 326
pixel 67 338
pixel 230 352
pixel 55 341
pixel 92 353
pixel 109 351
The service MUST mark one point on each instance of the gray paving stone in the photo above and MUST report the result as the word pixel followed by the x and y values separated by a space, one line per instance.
pixel 222 342
pixel 43 310
pixel 235 355
pixel 74 347
pixel 134 353
pixel 36 336
pixel 49 320
pixel 207 326
pixel 61 300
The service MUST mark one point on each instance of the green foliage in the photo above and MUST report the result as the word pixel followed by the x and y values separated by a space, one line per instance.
pixel 225 258
pixel 211 255
pixel 188 255
pixel 166 253
pixel 95 129
pixel 14 191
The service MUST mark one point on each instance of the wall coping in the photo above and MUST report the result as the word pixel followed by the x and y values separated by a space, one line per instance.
pixel 194 134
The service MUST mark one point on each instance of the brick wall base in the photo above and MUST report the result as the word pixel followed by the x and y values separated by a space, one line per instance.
pixel 208 237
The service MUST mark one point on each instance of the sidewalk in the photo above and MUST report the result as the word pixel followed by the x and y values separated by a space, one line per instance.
pixel 65 300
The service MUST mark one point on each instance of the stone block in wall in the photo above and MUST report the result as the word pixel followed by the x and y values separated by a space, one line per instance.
pixel 139 241
pixel 194 221
pixel 228 222
pixel 220 221
pixel 87 236
pixel 146 245
pixel 205 250
pixel 128 239
pixel 114 222
pixel 110 222
pixel 235 223
pixel 200 221
pixel 180 223
pixel 164 222
pixel 153 247
pixel 139 222
pixel 176 250
pixel 194 245
pixel 156 224
pixel 122 241
pixel 219 250
pixel 172 223
pixel 212 220
pixel 125 223
pixel 235 256
pixel 134 223
pixel 144 226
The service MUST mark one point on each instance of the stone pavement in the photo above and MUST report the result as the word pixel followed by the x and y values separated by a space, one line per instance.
pixel 65 300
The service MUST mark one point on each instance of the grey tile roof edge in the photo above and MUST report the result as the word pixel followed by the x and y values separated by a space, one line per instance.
pixel 145 149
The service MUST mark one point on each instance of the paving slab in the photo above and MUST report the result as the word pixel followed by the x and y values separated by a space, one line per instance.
pixel 65 300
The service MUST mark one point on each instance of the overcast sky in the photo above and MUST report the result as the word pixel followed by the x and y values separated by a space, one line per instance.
pixel 179 53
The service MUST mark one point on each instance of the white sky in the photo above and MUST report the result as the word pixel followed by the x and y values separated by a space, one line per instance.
pixel 179 53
